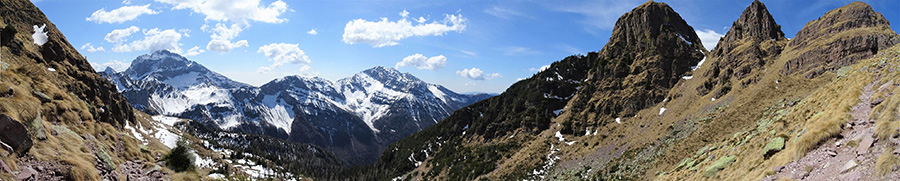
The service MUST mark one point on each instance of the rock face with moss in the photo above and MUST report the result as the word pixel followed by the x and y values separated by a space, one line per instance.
pixel 753 41
pixel 839 38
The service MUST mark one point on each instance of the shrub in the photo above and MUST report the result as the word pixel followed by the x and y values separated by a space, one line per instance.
pixel 180 158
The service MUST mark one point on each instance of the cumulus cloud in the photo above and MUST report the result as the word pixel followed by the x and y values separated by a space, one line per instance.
pixel 312 32
pixel 281 53
pixel 238 11
pixel 422 62
pixel 709 38
pixel 477 74
pixel 542 68
pixel 388 33
pixel 154 39
pixel 123 14
pixel 119 35
pixel 116 65
pixel 222 37
pixel 39 36
pixel 90 48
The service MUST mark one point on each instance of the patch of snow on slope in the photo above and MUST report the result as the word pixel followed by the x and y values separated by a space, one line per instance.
pixel 688 77
pixel 560 136
pixel 698 64
pixel 278 114
pixel 183 80
pixel 166 119
pixel 134 132
pixel 438 93
pixel 367 103
pixel 662 110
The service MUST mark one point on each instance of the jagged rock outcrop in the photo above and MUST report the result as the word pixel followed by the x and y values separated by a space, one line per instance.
pixel 75 73
pixel 650 49
pixel 839 38
pixel 13 135
pixel 753 41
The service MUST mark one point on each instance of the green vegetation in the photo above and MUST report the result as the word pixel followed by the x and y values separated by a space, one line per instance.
pixel 180 158
pixel 718 166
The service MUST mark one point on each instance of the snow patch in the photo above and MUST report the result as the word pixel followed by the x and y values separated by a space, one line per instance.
pixel 560 136
pixel 688 77
pixel 698 64
pixel 619 120
pixel 662 110
pixel 39 36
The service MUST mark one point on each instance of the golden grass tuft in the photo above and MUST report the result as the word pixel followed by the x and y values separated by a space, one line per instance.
pixel 886 162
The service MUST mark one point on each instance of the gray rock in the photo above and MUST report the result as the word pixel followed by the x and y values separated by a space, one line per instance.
pixel 849 166
pixel 26 173
pixel 40 95
pixel 865 144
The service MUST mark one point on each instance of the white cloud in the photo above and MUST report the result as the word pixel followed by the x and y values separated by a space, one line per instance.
pixel 422 62
pixel 515 50
pixel 194 51
pixel 312 32
pixel 116 65
pixel 709 38
pixel 90 48
pixel 421 20
pixel 123 14
pixel 154 39
pixel 469 53
pixel 477 74
pixel 185 32
pixel 126 1
pixel 281 53
pixel 542 68
pixel 222 37
pixel 39 36
pixel 404 14
pixel 388 33
pixel 119 35
pixel 502 12
pixel 237 11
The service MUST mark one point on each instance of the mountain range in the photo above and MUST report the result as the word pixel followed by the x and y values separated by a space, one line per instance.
pixel 354 117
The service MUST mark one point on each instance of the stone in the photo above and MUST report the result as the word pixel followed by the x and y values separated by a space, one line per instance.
pixel 37 128
pixel 849 166
pixel 864 145
pixel 40 95
pixel 774 146
pixel 14 135
pixel 26 173
pixel 831 153
pixel 718 166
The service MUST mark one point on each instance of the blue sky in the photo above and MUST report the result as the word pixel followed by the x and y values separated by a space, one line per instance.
pixel 467 46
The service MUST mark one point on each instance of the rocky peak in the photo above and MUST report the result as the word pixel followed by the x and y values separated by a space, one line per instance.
pixel 158 61
pixel 753 41
pixel 839 38
pixel 755 23
pixel 650 48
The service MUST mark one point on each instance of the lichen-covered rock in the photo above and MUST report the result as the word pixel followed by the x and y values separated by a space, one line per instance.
pixel 774 146
pixel 37 128
pixel 718 166
pixel 14 135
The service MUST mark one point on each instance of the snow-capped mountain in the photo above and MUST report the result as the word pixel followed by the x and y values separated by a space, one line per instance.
pixel 355 117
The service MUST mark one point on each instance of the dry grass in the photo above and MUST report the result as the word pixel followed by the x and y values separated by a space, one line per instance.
pixel 886 162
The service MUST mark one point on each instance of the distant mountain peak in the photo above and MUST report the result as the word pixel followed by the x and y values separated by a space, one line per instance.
pixel 756 22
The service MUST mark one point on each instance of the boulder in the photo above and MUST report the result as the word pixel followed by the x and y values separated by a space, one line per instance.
pixel 718 166
pixel 774 146
pixel 865 144
pixel 37 129
pixel 849 166
pixel 40 95
pixel 14 135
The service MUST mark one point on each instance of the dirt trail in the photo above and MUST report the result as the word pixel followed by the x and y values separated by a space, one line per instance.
pixel 835 159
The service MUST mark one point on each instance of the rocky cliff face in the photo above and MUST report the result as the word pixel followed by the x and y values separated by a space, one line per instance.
pixel 72 72
pixel 837 39
pixel 650 49
pixel 753 41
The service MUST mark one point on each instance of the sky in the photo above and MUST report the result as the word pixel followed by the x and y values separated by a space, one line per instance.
pixel 466 46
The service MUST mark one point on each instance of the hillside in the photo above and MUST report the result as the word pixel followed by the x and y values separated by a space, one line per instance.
pixel 813 107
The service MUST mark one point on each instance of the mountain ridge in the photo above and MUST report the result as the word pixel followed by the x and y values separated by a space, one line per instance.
pixel 332 114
